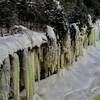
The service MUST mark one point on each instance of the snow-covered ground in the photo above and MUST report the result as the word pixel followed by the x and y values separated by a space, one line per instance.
pixel 80 82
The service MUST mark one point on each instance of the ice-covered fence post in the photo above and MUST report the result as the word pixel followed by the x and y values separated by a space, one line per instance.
pixel 5 80
pixel 14 59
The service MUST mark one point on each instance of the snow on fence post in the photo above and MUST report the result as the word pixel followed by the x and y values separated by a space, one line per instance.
pixel 15 70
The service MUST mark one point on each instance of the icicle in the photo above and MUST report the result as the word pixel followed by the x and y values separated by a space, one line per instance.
pixel 85 41
pixel 15 75
pixel 77 48
pixel 45 63
pixel 64 53
pixel 33 70
pixel 54 65
pixel 26 72
pixel 94 34
pixel 92 37
pixel 72 55
pixel 31 75
pixel 40 54
pixel 77 43
pixel 81 48
pixel 2 85
pixel 84 36
pixel 81 44
pixel 67 51
pixel 62 59
pixel 37 65
pixel 98 27
pixel 58 56
pixel 50 59
pixel 5 79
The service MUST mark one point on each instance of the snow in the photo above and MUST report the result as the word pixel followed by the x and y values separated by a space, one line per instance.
pixel 51 33
pixel 58 4
pixel 23 38
pixel 76 27
pixel 89 19
pixel 80 82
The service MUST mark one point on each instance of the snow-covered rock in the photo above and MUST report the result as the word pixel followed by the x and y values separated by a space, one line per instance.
pixel 23 38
